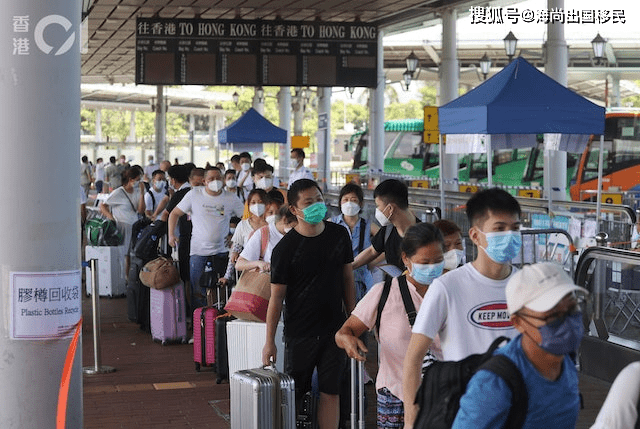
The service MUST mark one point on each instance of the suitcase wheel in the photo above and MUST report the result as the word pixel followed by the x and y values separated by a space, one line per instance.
pixel 197 367
pixel 219 380
pixel 164 342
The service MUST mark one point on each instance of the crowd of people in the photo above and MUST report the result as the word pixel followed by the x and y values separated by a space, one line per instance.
pixel 432 305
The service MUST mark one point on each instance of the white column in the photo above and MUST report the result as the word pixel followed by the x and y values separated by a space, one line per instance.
pixel 98 124
pixel 161 126
pixel 132 127
pixel 449 81
pixel 284 109
pixel 213 137
pixel 555 166
pixel 298 112
pixel 192 136
pixel 615 89
pixel 324 137
pixel 376 113
pixel 39 123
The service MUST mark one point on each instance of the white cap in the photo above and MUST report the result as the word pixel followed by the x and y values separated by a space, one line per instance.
pixel 539 287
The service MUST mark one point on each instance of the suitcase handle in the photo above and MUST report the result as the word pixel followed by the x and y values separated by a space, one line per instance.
pixel 357 393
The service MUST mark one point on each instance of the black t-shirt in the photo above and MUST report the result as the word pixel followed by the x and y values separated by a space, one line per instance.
pixel 184 224
pixel 390 246
pixel 312 269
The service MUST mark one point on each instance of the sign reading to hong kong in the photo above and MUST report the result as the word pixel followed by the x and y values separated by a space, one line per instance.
pixel 490 315
pixel 255 52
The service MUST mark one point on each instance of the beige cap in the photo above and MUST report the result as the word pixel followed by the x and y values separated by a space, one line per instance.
pixel 539 287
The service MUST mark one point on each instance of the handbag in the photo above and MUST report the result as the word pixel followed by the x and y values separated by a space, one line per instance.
pixel 103 232
pixel 249 299
pixel 159 273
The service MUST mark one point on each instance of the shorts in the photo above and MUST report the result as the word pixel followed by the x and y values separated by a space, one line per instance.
pixel 390 410
pixel 302 355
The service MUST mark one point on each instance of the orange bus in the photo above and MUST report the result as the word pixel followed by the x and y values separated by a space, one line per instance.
pixel 621 156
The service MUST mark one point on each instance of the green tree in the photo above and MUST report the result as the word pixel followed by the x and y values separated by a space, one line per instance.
pixel 428 94
pixel 410 110
pixel 145 126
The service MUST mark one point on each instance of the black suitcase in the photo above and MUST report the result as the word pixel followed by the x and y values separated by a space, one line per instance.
pixel 221 349
pixel 138 296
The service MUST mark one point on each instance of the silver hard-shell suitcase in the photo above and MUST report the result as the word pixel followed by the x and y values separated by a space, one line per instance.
pixel 262 398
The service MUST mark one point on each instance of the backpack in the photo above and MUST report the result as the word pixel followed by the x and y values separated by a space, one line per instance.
pixel 137 228
pixel 444 383
pixel 103 232
pixel 146 245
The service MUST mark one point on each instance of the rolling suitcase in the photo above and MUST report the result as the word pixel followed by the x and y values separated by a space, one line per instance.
pixel 262 398
pixel 204 336
pixel 138 296
pixel 222 350
pixel 168 321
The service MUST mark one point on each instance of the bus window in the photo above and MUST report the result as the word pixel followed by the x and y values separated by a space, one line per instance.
pixel 590 171
pixel 431 156
pixel 409 145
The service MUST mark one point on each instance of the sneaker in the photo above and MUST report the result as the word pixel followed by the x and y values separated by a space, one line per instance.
pixel 191 340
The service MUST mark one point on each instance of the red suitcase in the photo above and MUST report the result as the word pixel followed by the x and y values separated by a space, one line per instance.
pixel 204 332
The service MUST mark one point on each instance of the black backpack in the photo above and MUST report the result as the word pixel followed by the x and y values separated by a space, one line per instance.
pixel 444 383
pixel 148 240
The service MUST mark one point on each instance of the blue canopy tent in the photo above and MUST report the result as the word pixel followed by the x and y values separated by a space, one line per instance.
pixel 250 129
pixel 514 106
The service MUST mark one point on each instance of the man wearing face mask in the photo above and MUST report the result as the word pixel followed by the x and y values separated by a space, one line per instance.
pixel 245 182
pixel 453 249
pixel 298 170
pixel 211 210
pixel 395 217
pixel 263 179
pixel 154 196
pixel 311 267
pixel 545 311
pixel 467 306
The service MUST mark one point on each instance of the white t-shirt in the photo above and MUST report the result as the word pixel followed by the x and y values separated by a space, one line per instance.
pixel 251 251
pixel 300 173
pixel 243 232
pixel 148 201
pixel 124 205
pixel 210 217
pixel 247 186
pixel 100 171
pixel 467 309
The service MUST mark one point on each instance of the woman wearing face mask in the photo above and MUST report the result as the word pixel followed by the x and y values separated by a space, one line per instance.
pixel 249 259
pixel 351 199
pixel 230 182
pixel 257 206
pixel 453 250
pixel 422 254
pixel 124 205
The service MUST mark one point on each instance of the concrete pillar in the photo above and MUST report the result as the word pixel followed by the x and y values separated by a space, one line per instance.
pixel 615 89
pixel 324 137
pixel 212 137
pixel 555 166
pixel 298 112
pixel 161 126
pixel 132 127
pixel 40 253
pixel 284 109
pixel 449 81
pixel 192 136
pixel 258 104
pixel 376 126
pixel 98 124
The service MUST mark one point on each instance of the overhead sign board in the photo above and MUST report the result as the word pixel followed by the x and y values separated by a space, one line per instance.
pixel 255 52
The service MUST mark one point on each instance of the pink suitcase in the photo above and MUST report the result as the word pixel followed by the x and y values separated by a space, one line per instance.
pixel 168 321
pixel 204 334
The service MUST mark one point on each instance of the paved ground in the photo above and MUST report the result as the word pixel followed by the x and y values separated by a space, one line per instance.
pixel 156 386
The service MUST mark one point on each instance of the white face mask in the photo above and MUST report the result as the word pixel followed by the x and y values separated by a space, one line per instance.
pixel 264 183
pixel 350 208
pixel 215 185
pixel 245 166
pixel 232 230
pixel 452 259
pixel 231 183
pixel 136 184
pixel 257 209
pixel 158 185
pixel 381 218
pixel 294 162
pixel 271 219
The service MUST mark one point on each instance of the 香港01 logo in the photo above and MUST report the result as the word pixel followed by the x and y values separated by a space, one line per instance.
pixel 490 315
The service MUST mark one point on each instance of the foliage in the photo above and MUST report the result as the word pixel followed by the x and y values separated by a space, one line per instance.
pixel 410 110
pixel 428 95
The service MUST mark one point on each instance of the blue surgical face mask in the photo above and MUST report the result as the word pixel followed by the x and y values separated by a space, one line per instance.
pixel 562 336
pixel 425 274
pixel 502 246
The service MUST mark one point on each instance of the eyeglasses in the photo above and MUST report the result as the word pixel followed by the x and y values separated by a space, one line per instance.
pixel 557 317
